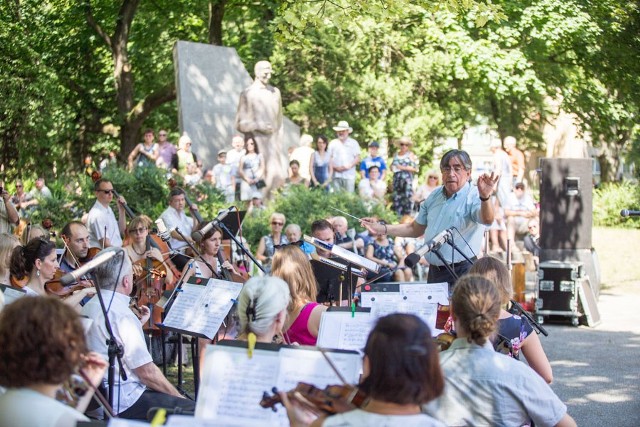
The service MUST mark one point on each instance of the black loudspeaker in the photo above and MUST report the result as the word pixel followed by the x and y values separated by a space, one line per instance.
pixel 566 203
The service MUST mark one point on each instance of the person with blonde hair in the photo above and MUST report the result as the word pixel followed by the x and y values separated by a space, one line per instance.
pixel 303 313
pixel 482 386
pixel 262 308
pixel 267 244
pixel 515 331
pixel 7 243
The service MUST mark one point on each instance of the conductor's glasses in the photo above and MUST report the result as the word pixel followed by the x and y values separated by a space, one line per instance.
pixel 455 168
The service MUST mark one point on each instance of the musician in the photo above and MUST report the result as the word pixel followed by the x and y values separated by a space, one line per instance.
pixel 515 330
pixel 38 261
pixel 104 230
pixel 42 344
pixel 209 247
pixel 303 313
pixel 483 387
pixel 400 373
pixel 175 217
pixel 76 246
pixel 145 386
pixel 457 203
pixel 262 308
pixel 137 250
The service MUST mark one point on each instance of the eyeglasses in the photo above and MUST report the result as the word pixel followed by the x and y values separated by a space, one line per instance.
pixel 404 145
pixel 18 185
pixel 162 134
pixel 277 223
pixel 455 168
pixel 433 177
pixel 107 191
pixel 533 226
pixel 138 230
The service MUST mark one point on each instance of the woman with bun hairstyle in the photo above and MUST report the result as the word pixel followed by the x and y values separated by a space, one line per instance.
pixel 262 308
pixel 482 386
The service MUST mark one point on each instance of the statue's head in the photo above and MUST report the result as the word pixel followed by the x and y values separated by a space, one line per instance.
pixel 263 71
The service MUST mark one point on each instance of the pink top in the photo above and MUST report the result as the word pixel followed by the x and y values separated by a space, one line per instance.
pixel 298 332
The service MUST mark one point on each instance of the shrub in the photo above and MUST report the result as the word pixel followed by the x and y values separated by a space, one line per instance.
pixel 610 199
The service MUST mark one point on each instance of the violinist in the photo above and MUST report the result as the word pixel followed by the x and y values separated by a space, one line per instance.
pixel 175 216
pixel 42 344
pixel 104 230
pixel 262 308
pixel 400 373
pixel 210 247
pixel 76 243
pixel 38 261
pixel 139 249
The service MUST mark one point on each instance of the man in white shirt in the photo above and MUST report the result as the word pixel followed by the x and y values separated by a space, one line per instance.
pixel 344 153
pixel 104 230
pixel 175 217
pixel 145 386
pixel 519 209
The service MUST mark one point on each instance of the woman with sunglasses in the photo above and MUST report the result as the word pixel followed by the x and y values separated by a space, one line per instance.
pixel 423 191
pixel 404 165
pixel 137 249
pixel 266 247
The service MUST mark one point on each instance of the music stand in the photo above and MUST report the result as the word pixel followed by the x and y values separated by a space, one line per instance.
pixel 332 282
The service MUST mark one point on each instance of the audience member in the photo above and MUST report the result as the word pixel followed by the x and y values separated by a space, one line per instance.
pixel 400 373
pixel 183 156
pixel 294 177
pixel 501 167
pixel 498 229
pixel 403 246
pixel 145 386
pixel 252 171
pixel 293 233
pixel 320 167
pixel 423 191
pixel 518 210
pixel 22 200
pixel 266 246
pixel 404 166
pixel 42 345
pixel 9 216
pixel 145 154
pixel 381 250
pixel 224 178
pixel 166 151
pixel 532 239
pixel 40 190
pixel 302 154
pixel 7 243
pixel 477 377
pixel 344 153
pixel 372 188
pixel 104 230
pixel 193 175
pixel 514 332
pixel 233 159
pixel 517 159
pixel 373 159
pixel 262 308
pixel 303 312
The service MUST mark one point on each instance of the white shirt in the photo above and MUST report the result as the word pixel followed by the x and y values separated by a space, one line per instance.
pixel 128 333
pixel 358 417
pixel 28 408
pixel 101 218
pixel 172 218
pixel 233 159
pixel 343 154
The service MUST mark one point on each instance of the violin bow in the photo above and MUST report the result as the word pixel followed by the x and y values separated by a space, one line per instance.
pixel 332 365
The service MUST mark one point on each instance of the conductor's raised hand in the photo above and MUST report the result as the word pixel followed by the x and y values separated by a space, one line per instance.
pixel 372 225
pixel 487 184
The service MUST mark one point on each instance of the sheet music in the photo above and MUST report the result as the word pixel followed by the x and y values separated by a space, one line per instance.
pixel 11 294
pixel 201 309
pixel 339 330
pixel 343 253
pixel 232 386
pixel 432 292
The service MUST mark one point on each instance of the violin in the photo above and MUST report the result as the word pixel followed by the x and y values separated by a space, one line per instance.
pixel 334 399
pixel 174 184
pixel 149 286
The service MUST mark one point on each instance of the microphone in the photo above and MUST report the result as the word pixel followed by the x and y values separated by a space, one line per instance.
pixel 74 276
pixel 163 232
pixel 627 212
pixel 199 234
pixel 412 259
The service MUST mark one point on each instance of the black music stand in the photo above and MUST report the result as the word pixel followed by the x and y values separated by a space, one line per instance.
pixel 330 281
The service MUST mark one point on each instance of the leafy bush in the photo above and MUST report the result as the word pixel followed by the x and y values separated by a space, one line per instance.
pixel 610 199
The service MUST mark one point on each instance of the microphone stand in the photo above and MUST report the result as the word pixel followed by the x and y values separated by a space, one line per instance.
pixel 239 244
pixel 114 350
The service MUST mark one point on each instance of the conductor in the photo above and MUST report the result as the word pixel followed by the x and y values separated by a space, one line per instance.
pixel 457 203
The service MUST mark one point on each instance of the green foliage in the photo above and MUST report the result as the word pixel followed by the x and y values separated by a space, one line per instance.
pixel 610 199
pixel 303 206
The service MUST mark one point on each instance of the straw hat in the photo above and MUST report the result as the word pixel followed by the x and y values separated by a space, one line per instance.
pixel 343 125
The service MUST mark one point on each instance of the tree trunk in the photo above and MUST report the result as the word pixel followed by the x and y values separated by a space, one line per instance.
pixel 216 15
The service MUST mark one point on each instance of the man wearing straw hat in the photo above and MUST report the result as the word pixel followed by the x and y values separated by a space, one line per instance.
pixel 344 153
